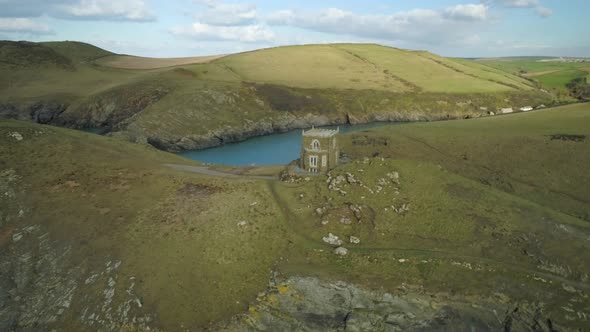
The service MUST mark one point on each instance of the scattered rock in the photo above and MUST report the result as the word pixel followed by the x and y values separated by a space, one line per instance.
pixel 91 279
pixel 401 210
pixel 345 221
pixel 320 211
pixel 341 251
pixel 394 176
pixel 242 223
pixel 16 135
pixel 325 222
pixel 289 176
pixel 332 239
pixel 356 210
pixel 568 137
pixel 569 288
pixel 71 184
pixel 354 240
pixel 17 236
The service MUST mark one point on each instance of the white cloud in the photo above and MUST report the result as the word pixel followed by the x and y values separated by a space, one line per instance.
pixel 531 4
pixel 520 3
pixel 28 8
pixel 418 25
pixel 120 10
pixel 544 11
pixel 113 10
pixel 467 12
pixel 203 31
pixel 23 25
pixel 218 13
pixel 220 21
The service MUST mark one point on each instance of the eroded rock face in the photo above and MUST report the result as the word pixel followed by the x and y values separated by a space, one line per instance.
pixel 10 111
pixel 46 112
pixel 37 291
pixel 310 304
pixel 39 112
pixel 42 287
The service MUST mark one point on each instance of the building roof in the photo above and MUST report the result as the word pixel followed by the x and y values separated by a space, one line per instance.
pixel 321 132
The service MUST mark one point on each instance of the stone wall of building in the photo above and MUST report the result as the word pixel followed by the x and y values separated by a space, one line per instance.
pixel 328 151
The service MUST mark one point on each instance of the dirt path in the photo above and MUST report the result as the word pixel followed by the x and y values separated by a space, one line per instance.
pixel 205 170
pixel 291 219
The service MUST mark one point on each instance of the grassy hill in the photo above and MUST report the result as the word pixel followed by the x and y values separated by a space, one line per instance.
pixel 79 53
pixel 26 55
pixel 365 66
pixel 135 62
pixel 201 102
pixel 496 217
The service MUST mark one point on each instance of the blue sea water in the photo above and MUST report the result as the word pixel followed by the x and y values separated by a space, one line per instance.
pixel 275 149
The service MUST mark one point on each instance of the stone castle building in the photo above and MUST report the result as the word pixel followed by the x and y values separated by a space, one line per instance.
pixel 319 150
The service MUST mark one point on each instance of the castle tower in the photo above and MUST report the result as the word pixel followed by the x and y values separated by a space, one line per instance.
pixel 319 150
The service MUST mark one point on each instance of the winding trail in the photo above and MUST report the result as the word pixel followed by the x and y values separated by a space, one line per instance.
pixel 290 218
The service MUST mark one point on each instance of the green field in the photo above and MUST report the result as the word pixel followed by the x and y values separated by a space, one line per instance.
pixel 490 204
pixel 226 99
pixel 561 78
pixel 550 74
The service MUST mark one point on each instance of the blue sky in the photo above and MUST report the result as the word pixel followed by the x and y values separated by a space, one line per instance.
pixel 175 28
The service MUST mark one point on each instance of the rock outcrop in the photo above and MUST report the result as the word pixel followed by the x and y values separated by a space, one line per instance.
pixel 39 112
pixel 311 304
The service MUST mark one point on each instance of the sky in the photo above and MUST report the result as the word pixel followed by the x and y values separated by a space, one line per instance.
pixel 178 28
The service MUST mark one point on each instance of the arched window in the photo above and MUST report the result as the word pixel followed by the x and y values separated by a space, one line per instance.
pixel 315 144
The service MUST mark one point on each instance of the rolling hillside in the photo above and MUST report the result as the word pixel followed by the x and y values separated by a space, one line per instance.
pixel 99 234
pixel 365 66
pixel 136 62
pixel 201 102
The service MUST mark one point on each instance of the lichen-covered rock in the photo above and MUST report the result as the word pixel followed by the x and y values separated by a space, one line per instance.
pixel 345 221
pixel 332 239
pixel 311 304
pixel 16 135
pixel 354 240
pixel 341 251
